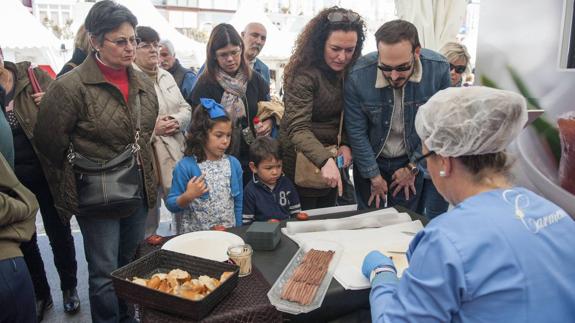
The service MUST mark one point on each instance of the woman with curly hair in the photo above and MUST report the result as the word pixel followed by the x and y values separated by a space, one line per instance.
pixel 313 82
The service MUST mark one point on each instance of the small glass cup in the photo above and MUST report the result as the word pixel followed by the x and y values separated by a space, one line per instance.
pixel 241 255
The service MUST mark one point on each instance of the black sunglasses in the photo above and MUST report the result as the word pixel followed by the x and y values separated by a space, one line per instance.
pixel 458 68
pixel 400 68
pixel 343 16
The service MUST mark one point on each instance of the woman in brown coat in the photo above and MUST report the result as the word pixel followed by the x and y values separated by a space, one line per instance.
pixel 313 83
pixel 95 108
pixel 34 172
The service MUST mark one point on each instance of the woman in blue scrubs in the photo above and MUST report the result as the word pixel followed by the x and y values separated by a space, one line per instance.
pixel 503 253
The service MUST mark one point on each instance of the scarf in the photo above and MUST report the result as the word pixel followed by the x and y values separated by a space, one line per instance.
pixel 151 73
pixel 234 91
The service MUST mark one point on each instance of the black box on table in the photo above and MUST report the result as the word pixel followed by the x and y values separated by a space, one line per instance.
pixel 263 235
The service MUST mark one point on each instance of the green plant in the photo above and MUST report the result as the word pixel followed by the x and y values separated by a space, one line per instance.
pixel 542 126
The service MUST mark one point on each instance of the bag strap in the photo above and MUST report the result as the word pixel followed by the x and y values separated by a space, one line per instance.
pixel 71 64
pixel 340 129
pixel 135 147
pixel 341 116
pixel 33 80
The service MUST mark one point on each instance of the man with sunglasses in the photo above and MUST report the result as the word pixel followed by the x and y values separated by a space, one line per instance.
pixel 382 93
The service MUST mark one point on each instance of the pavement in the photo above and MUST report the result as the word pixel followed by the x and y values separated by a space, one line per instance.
pixel 56 314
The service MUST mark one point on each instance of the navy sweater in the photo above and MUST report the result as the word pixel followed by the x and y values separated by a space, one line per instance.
pixel 262 203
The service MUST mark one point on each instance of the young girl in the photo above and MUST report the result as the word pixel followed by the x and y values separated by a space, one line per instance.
pixel 207 184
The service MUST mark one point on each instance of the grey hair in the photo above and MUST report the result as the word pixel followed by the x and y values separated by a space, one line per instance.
pixel 168 44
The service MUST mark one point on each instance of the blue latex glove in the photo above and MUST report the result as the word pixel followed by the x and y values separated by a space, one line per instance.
pixel 373 260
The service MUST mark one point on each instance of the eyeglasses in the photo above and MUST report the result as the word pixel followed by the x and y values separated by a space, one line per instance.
pixel 233 53
pixel 148 46
pixel 123 42
pixel 458 68
pixel 343 16
pixel 422 157
pixel 400 68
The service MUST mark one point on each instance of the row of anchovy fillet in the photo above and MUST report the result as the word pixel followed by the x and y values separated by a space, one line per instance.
pixel 302 286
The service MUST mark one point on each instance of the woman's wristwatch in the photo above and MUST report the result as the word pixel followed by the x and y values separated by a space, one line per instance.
pixel 412 168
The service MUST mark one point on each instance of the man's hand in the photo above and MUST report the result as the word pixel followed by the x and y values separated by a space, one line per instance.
pixel 38 97
pixel 403 179
pixel 330 173
pixel 345 151
pixel 166 126
pixel 265 128
pixel 378 191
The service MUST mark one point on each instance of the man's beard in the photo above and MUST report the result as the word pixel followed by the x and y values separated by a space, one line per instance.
pixel 256 50
pixel 394 84
pixel 403 79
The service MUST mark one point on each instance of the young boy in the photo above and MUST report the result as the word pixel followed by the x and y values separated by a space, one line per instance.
pixel 269 195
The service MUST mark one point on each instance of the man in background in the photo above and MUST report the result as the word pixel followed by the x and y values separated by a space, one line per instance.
pixel 185 77
pixel 255 36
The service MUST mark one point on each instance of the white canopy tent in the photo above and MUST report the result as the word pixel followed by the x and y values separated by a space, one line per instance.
pixel 188 51
pixel 279 44
pixel 24 38
pixel 437 21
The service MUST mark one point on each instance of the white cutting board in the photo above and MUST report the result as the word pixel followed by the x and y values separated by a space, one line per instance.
pixel 358 243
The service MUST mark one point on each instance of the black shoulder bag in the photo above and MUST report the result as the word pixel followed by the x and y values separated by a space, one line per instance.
pixel 109 188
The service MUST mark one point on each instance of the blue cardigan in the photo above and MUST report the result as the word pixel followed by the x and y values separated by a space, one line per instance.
pixel 188 167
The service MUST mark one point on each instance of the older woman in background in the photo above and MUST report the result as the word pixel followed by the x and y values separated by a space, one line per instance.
pixel 313 84
pixel 95 109
pixel 229 80
pixel 503 253
pixel 173 118
pixel 459 60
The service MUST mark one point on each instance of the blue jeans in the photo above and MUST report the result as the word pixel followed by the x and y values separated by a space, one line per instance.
pixel 387 166
pixel 16 292
pixel 110 243
pixel 431 203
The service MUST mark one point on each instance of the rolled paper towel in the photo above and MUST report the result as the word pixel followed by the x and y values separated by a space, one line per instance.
pixel 375 219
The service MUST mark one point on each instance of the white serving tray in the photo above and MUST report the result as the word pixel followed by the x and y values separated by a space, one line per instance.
pixel 274 294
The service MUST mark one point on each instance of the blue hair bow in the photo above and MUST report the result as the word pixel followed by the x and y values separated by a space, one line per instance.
pixel 215 110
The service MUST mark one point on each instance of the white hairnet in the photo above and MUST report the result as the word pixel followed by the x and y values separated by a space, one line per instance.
pixel 474 120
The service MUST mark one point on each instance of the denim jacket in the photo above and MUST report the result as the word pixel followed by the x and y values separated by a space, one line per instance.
pixel 368 110
pixel 187 168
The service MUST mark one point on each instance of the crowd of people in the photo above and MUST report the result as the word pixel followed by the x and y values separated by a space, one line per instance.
pixel 218 150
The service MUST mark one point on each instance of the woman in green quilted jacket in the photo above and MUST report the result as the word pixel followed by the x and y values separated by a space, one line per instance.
pixel 94 108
